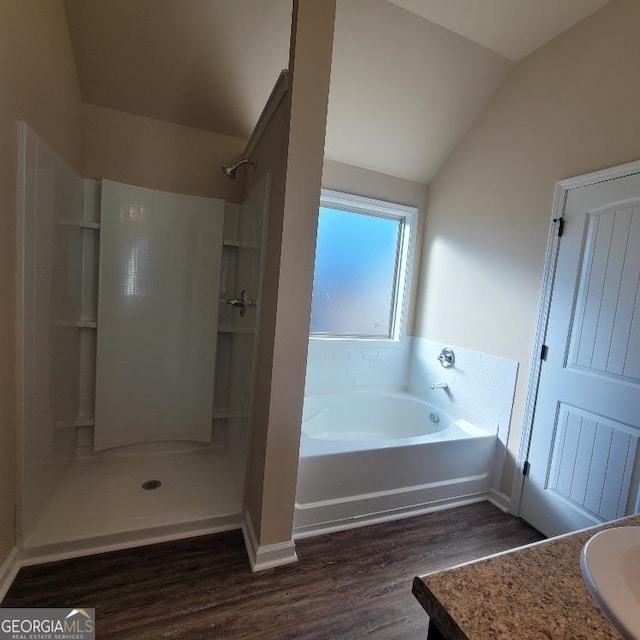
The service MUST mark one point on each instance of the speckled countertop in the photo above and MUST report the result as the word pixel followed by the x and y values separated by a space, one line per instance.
pixel 528 593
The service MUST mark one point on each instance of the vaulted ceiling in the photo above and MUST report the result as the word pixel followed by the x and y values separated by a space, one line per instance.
pixel 408 77
pixel 512 28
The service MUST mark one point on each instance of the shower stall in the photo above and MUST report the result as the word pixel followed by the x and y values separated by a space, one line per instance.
pixel 138 311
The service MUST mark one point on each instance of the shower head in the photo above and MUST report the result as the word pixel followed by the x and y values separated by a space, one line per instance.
pixel 230 170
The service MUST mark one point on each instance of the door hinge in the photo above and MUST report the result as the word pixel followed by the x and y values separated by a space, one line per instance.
pixel 560 222
pixel 526 467
pixel 544 351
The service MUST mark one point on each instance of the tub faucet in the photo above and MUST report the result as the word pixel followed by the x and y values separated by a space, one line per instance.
pixel 439 385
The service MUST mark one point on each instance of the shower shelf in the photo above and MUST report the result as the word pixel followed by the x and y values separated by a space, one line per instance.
pixel 83 224
pixel 225 328
pixel 221 414
pixel 87 324
pixel 239 244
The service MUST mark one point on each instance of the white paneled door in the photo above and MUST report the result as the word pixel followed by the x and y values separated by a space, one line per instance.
pixel 160 256
pixel 583 453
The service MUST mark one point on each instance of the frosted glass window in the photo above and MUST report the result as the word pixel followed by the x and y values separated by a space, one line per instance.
pixel 359 270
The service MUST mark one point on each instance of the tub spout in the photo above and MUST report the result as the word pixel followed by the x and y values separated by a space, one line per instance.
pixel 439 385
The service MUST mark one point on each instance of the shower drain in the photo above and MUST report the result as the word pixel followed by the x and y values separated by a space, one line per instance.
pixel 150 485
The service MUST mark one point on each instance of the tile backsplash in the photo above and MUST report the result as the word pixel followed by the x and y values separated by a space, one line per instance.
pixel 481 389
pixel 339 365
pixel 480 386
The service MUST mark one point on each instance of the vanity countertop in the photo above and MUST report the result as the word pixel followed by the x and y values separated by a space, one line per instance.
pixel 532 592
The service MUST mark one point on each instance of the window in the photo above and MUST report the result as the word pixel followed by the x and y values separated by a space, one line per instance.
pixel 361 277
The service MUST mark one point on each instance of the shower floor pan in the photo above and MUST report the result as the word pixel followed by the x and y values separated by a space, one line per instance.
pixel 100 502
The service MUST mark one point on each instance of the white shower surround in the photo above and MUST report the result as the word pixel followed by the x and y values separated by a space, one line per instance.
pixel 160 262
pixel 58 225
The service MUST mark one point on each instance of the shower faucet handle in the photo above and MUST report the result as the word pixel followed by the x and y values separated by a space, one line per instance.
pixel 447 358
pixel 242 303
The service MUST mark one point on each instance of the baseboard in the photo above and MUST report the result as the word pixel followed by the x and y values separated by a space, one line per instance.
pixel 9 571
pixel 104 544
pixel 500 500
pixel 266 556
pixel 312 530
pixel 115 542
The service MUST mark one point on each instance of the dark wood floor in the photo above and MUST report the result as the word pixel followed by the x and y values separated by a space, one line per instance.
pixel 350 584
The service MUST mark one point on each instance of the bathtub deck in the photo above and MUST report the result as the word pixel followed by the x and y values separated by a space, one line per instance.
pixel 350 584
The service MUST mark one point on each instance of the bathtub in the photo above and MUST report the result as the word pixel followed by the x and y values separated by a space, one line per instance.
pixel 368 456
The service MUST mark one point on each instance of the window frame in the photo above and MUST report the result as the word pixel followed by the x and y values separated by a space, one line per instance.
pixel 408 218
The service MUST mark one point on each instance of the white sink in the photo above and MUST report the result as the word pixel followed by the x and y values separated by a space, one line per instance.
pixel 610 563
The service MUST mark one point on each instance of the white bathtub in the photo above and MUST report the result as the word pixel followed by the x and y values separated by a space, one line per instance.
pixel 368 456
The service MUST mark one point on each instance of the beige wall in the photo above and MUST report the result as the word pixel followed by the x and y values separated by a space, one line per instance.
pixel 292 148
pixel 157 154
pixel 371 184
pixel 271 157
pixel 569 108
pixel 38 84
pixel 207 64
pixel 398 80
